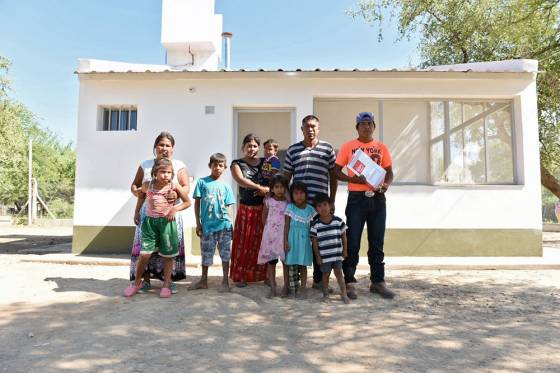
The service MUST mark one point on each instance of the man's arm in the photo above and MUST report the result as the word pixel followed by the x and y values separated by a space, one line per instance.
pixel 388 180
pixel 333 186
pixel 288 175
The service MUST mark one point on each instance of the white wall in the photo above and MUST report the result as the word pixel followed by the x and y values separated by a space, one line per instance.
pixel 107 161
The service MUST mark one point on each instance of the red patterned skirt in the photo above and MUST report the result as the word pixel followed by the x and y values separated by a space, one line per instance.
pixel 247 236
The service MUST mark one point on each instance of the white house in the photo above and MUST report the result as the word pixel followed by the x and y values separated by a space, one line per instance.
pixel 464 138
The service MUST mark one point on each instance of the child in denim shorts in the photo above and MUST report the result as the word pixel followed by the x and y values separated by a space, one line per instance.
pixel 213 211
pixel 328 237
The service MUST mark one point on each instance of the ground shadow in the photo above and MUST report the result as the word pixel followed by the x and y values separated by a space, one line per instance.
pixel 431 326
pixel 35 244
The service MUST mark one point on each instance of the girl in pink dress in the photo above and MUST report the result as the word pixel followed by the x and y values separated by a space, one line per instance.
pixel 272 243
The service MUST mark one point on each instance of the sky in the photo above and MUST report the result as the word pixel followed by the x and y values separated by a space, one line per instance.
pixel 44 38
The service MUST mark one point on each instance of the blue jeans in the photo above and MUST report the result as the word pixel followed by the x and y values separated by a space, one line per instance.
pixel 359 211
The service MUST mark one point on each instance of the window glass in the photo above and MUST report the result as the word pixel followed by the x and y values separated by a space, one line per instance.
pixel 133 115
pixel 455 114
pixel 474 153
pixel 479 139
pixel 117 118
pixel 436 118
pixel 123 124
pixel 499 148
pixel 114 120
pixel 437 162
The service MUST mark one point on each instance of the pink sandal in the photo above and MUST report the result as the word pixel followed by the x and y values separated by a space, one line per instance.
pixel 132 289
pixel 165 292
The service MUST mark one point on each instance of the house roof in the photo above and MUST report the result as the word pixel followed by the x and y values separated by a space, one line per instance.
pixel 93 66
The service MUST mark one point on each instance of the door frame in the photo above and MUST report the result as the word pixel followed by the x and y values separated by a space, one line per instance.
pixel 236 153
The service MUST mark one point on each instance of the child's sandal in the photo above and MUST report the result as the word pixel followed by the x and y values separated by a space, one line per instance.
pixel 165 292
pixel 132 289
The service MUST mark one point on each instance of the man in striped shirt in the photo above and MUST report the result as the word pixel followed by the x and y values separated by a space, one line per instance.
pixel 312 162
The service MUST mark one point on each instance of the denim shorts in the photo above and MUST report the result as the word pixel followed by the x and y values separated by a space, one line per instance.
pixel 326 267
pixel 221 239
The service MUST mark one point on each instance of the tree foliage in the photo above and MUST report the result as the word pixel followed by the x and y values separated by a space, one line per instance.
pixel 461 31
pixel 53 161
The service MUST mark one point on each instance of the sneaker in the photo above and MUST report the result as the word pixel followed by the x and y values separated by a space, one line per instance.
pixel 132 289
pixel 165 293
pixel 173 288
pixel 146 287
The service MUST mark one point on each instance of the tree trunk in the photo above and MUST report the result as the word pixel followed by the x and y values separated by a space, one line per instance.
pixel 549 181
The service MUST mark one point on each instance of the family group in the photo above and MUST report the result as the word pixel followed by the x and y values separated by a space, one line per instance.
pixel 282 215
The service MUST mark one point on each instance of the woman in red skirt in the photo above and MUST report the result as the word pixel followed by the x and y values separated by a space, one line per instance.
pixel 247 233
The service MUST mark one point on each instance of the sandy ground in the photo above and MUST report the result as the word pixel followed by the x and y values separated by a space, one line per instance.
pixel 73 318
pixel 57 318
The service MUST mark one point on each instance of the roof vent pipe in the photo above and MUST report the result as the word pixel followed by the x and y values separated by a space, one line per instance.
pixel 226 36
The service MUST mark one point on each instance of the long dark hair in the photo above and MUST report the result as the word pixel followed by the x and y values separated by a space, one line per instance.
pixel 278 179
pixel 164 135
pixel 251 137
pixel 298 186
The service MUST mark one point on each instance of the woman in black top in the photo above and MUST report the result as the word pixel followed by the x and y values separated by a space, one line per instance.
pixel 248 228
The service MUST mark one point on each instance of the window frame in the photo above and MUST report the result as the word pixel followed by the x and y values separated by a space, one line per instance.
pixel 445 137
pixel 510 101
pixel 105 113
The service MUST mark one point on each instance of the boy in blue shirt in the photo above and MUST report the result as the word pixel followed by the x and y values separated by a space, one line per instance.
pixel 213 211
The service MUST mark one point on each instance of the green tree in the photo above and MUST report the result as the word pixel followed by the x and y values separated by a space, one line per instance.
pixel 53 161
pixel 462 31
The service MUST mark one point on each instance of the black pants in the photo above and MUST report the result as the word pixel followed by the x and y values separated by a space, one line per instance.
pixel 359 211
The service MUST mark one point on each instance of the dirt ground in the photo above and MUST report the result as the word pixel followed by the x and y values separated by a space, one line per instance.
pixel 58 318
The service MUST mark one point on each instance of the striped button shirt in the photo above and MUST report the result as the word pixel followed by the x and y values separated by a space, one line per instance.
pixel 329 238
pixel 311 166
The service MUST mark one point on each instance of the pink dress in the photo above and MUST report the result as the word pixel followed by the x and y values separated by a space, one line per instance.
pixel 272 243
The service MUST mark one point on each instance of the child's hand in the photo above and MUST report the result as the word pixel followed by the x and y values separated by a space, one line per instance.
pixel 137 217
pixel 319 261
pixel 344 254
pixel 286 246
pixel 199 230
pixel 171 215
pixel 171 196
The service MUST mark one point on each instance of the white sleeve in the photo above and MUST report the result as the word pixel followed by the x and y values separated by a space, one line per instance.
pixel 178 165
pixel 147 168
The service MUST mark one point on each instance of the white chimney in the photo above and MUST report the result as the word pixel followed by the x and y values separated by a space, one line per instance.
pixel 191 34
pixel 226 36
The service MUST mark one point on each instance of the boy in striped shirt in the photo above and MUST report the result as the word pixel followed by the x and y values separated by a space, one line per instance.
pixel 328 236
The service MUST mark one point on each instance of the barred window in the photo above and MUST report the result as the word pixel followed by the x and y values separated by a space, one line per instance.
pixel 119 118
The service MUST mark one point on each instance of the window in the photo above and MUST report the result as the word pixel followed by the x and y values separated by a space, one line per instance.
pixel 471 142
pixel 119 118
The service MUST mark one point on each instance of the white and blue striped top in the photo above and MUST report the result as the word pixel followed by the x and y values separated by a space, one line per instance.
pixel 329 238
pixel 311 166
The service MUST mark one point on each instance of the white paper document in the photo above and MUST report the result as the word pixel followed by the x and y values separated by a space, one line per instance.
pixel 362 164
